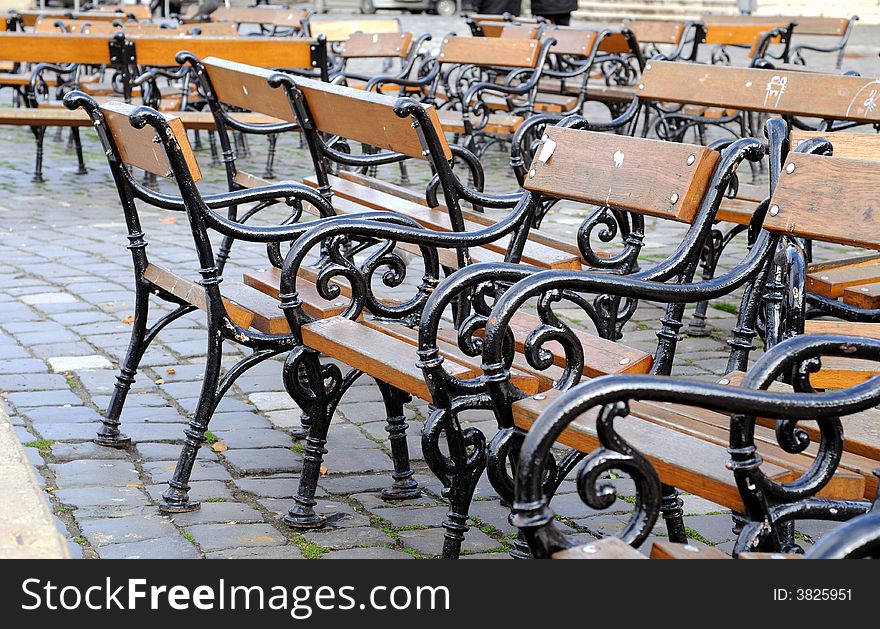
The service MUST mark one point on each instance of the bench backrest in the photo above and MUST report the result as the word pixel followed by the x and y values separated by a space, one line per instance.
pixel 806 25
pixel 140 11
pixel 864 146
pixel 657 31
pixel 489 51
pixel 652 177
pixel 575 42
pixel 520 31
pixel 210 29
pixel 157 50
pixel 336 110
pixel 341 30
pixel 276 16
pixel 371 45
pixel 29 18
pixel 493 29
pixel 830 96
pixel 141 148
pixel 831 199
pixel 739 34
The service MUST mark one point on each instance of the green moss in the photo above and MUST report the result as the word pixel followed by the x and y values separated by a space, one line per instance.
pixel 188 537
pixel 210 437
pixel 412 527
pixel 412 553
pixel 310 550
pixel 697 536
pixel 725 307
pixel 43 445
pixel 82 541
pixel 298 448
pixel 214 500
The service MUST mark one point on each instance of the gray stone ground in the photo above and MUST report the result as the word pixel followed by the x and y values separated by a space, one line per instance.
pixel 65 294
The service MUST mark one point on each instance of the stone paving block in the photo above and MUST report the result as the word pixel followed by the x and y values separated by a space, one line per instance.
pixel 571 506
pixel 715 528
pixel 224 536
pixel 168 452
pixel 62 415
pixel 135 399
pixel 48 298
pixel 288 551
pixel 128 529
pixel 254 438
pixel 694 505
pixel 503 555
pixel 412 516
pixel 278 486
pixel 367 553
pixel 264 461
pixel 95 473
pixel 165 431
pixel 219 513
pixel 364 412
pixel 63 452
pixel 429 542
pixel 152 414
pixel 90 497
pixel 44 398
pixel 200 490
pixel 164 548
pixel 80 431
pixel 272 400
pixel 32 382
pixel 22 365
pixel 227 405
pixel 349 485
pixel 339 539
pixel 161 471
pixel 339 515
pixel 238 421
pixel 74 363
pixel 347 461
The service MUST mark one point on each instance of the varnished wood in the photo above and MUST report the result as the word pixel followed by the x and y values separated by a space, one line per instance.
pixel 645 176
pixel 605 548
pixel 139 11
pixel 691 550
pixel 493 28
pixel 829 199
pixel 866 296
pixel 774 91
pixel 847 328
pixel 833 282
pixel 615 43
pixel 502 124
pixel 806 25
pixel 842 373
pixel 656 31
pixel 272 16
pixel 369 45
pixel 839 263
pixel 29 17
pixel 571 41
pixel 738 34
pixel 769 556
pixel 247 86
pixel 79 118
pixel 341 30
pixel 520 31
pixel 141 147
pixel 484 51
pixel 850 145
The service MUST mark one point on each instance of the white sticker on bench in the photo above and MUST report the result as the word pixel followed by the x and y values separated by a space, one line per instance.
pixel 547 150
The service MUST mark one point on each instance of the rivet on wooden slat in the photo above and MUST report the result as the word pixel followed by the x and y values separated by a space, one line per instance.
pixel 691 549
pixel 790 168
pixel 532 172
pixel 624 361
pixel 590 549
pixel 539 396
pixel 674 198
pixel 648 67
pixel 691 159
pixel 641 86
pixel 774 210
pixel 724 381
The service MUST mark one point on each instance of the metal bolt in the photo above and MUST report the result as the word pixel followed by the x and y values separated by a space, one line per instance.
pixel 864 290
pixel 590 549
pixel 648 67
pixel 691 159
pixel 690 548
pixel 108 153
pixel 823 277
pixel 641 86
pixel 790 168
pixel 624 361
pixel 539 396
pixel 724 381
pixel 674 198
pixel 774 210
pixel 532 172
pixel 833 510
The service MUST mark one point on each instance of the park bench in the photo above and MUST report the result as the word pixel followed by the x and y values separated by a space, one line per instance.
pixel 484 25
pixel 403 48
pixel 271 20
pixel 62 53
pixel 755 35
pixel 29 18
pixel 649 423
pixel 339 30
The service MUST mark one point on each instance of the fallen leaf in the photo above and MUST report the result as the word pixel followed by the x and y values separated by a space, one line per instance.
pixel 168 220
pixel 232 522
pixel 324 470
pixel 219 446
pixel 160 381
pixel 171 371
pixel 129 319
pixel 50 489
pixel 135 485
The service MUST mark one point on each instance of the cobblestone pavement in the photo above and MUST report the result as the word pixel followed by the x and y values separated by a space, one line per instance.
pixel 65 301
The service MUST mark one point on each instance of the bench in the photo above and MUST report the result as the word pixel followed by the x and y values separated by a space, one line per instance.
pixel 271 20
pixel 339 30
pixel 63 52
pixel 699 416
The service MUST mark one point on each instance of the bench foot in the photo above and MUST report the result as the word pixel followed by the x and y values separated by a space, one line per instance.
pixel 404 487
pixel 406 491
pixel 113 441
pixel 305 521
pixel 178 507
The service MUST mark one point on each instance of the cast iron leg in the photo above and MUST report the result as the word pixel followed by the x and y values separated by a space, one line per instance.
pixel 302 514
pixel 404 486
pixel 39 134
pixel 270 160
pixel 212 141
pixel 697 325
pixel 175 499
pixel 77 145
pixel 671 508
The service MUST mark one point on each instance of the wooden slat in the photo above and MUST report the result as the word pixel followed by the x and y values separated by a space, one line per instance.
pixel 139 148
pixel 806 25
pixel 605 548
pixel 600 91
pixel 737 34
pixel 646 176
pixel 866 296
pixel 850 145
pixel 534 253
pixel 575 42
pixel 774 91
pixel 682 461
pixel 841 372
pixel 656 31
pixel 520 31
pixel 839 263
pixel 500 124
pixel 247 86
pixel 489 51
pixel 371 45
pixel 341 30
pixel 833 282
pixel 847 328
pixel 55 48
pixel 29 17
pixel 493 29
pixel 692 550
pixel 737 211
pixel 79 118
pixel 275 16
pixel 377 354
pixel 830 199
pixel 769 556
pixel 270 52
pixel 615 44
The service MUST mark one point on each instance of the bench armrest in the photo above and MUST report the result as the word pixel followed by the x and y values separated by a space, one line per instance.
pixel 612 394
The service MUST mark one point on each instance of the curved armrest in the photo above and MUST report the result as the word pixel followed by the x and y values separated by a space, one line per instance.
pixel 611 394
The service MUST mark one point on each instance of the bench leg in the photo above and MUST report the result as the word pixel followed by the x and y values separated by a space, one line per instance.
pixel 77 145
pixel 459 471
pixel 671 509
pixel 212 141
pixel 175 499
pixel 404 487
pixel 39 135
pixel 270 159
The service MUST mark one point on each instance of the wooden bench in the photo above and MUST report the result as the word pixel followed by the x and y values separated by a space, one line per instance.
pixel 686 442
pixel 272 20
pixel 339 30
